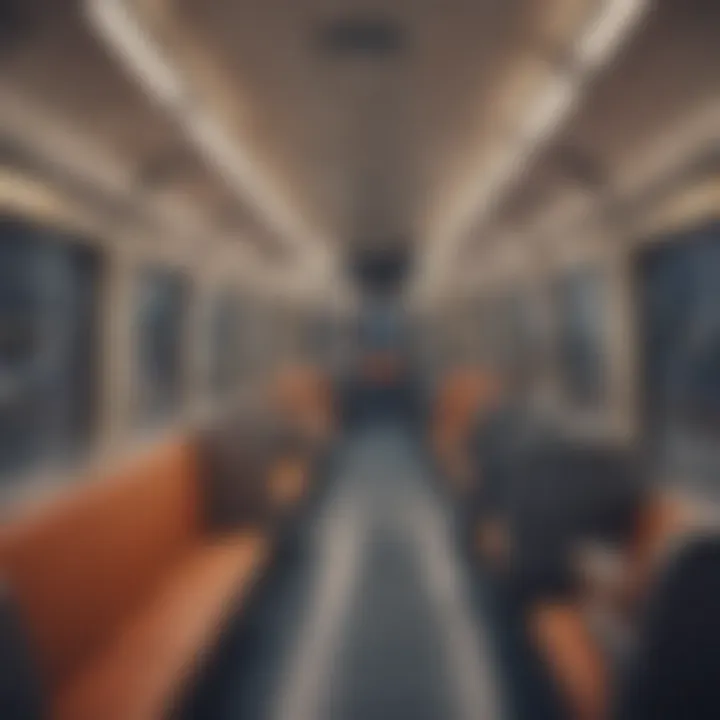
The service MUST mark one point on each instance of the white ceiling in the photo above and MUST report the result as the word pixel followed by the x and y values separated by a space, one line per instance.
pixel 355 150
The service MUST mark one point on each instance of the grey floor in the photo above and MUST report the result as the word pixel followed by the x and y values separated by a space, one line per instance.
pixel 372 618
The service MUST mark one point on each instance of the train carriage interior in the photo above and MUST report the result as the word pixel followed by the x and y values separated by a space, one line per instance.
pixel 360 359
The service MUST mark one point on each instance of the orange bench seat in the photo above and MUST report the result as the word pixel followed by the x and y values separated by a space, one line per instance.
pixel 122 585
pixel 137 675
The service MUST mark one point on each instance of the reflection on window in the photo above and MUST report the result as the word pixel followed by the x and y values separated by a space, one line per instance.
pixel 48 347
pixel 680 306
pixel 580 300
pixel 161 305
pixel 225 343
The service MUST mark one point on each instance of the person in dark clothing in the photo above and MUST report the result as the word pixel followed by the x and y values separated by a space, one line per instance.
pixel 538 496
pixel 564 494
pixel 503 434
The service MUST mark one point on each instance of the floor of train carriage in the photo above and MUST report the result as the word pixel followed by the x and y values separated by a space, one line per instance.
pixel 370 614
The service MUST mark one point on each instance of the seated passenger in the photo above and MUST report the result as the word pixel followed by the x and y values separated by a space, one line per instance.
pixel 463 395
pixel 506 426
pixel 562 495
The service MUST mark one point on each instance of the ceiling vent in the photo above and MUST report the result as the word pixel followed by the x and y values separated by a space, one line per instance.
pixel 361 36
pixel 382 271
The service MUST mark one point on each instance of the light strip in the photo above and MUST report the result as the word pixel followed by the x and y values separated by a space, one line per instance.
pixel 127 37
pixel 607 31
pixel 551 108
pixel 119 24
pixel 603 37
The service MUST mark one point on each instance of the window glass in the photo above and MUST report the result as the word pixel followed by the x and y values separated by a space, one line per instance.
pixel 225 342
pixel 580 305
pixel 49 298
pixel 161 309
pixel 679 294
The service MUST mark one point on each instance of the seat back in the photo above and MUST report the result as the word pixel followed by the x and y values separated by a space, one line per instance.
pixel 459 397
pixel 78 566
pixel 20 692
pixel 303 397
pixel 238 451
pixel 675 670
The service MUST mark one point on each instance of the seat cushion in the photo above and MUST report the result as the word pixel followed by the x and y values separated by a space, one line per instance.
pixel 140 673
pixel 79 566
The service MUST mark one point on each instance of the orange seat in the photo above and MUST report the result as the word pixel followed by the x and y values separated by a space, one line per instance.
pixel 303 396
pixel 119 586
pixel 137 675
pixel 461 395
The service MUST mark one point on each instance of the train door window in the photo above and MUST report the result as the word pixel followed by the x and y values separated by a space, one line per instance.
pixel 679 298
pixel 580 305
pixel 381 328
pixel 225 342
pixel 161 311
pixel 49 298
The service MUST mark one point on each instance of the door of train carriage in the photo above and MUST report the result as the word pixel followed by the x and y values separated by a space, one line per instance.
pixel 678 294
pixel 381 383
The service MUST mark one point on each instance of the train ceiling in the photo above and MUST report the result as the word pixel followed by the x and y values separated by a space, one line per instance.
pixel 300 129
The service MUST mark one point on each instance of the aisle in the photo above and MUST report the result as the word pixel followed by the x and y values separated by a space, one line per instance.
pixel 388 630
pixel 371 616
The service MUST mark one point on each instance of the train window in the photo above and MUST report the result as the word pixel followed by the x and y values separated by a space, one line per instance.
pixel 225 352
pixel 520 336
pixel 381 328
pixel 580 336
pixel 161 310
pixel 49 293
pixel 679 285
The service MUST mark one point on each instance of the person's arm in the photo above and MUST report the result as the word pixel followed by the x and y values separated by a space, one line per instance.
pixel 566 644
pixel 660 518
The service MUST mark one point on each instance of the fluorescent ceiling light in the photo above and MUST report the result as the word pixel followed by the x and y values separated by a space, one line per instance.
pixel 121 29
pixel 124 29
pixel 549 111
pixel 610 27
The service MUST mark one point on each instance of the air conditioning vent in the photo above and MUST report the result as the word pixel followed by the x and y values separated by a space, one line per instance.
pixel 382 271
pixel 375 37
